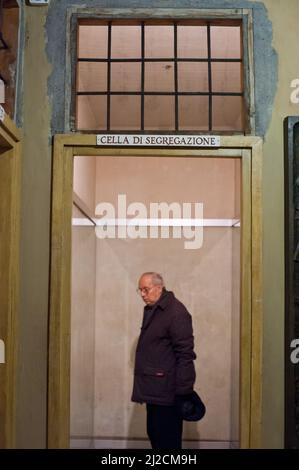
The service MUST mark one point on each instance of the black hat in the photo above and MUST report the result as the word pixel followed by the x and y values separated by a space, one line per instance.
pixel 190 407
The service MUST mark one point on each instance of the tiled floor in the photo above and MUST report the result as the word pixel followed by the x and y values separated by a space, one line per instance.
pixel 89 443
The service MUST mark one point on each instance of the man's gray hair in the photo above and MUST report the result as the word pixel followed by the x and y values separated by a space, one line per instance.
pixel 157 279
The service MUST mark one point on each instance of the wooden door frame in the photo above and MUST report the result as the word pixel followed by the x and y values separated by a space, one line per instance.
pixel 249 149
pixel 10 159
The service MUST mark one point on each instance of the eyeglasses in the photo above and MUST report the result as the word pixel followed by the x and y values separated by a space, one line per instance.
pixel 144 290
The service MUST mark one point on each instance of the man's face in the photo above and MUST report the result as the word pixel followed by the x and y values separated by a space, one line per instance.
pixel 148 291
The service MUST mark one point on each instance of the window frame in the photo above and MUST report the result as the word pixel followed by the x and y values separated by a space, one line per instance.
pixel 74 15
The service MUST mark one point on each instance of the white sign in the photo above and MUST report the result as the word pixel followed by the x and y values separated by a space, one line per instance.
pixel 38 2
pixel 2 113
pixel 154 140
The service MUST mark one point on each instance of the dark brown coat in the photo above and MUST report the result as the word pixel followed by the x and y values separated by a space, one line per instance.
pixel 164 355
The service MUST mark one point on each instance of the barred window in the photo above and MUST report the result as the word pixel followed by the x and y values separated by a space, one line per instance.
pixel 160 76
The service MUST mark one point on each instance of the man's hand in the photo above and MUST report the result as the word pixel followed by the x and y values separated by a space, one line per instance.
pixel 190 406
pixel 184 404
pixel 184 397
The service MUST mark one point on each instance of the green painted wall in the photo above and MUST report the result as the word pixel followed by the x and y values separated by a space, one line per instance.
pixel 35 226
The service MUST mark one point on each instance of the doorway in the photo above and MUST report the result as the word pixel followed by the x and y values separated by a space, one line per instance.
pixel 246 151
pixel 200 264
pixel 9 272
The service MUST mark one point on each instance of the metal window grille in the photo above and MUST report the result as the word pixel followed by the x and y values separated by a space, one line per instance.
pixel 174 62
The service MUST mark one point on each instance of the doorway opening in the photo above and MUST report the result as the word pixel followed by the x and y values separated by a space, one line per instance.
pixel 113 272
pixel 200 264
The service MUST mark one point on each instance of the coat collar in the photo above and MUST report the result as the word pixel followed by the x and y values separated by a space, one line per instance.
pixel 149 310
pixel 164 299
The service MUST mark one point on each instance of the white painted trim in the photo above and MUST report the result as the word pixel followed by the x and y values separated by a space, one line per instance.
pixel 156 222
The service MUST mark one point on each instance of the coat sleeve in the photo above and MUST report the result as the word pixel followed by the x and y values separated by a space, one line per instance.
pixel 181 332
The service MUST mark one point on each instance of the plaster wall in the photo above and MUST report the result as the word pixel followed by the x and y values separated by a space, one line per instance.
pixel 82 327
pixel 84 181
pixel 207 282
pixel 119 316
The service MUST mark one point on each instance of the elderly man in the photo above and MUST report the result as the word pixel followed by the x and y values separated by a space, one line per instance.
pixel 164 370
